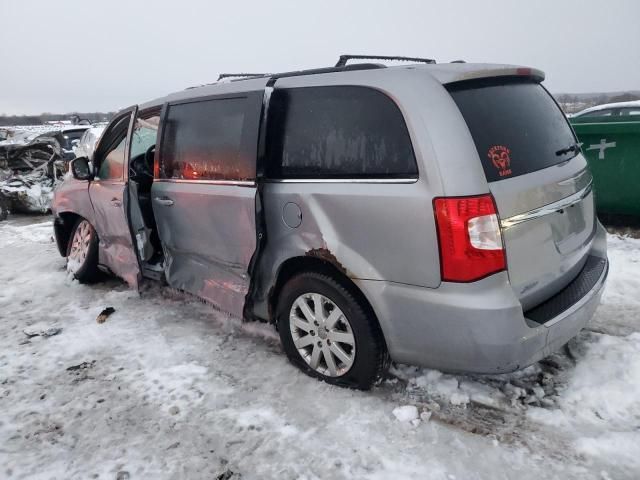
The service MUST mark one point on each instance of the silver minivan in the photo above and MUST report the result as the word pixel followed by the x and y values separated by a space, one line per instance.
pixel 431 214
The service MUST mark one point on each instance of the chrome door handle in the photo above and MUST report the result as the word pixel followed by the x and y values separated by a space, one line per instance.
pixel 115 202
pixel 167 202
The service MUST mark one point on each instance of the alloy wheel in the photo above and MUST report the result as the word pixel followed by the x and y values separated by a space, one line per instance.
pixel 79 246
pixel 322 334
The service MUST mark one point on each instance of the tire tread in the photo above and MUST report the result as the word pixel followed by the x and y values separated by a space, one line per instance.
pixel 372 332
pixel 89 271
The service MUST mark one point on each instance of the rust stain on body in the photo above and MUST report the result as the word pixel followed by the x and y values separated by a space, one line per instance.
pixel 327 256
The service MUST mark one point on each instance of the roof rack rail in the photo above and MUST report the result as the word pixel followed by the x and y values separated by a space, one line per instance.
pixel 241 75
pixel 314 71
pixel 296 73
pixel 342 61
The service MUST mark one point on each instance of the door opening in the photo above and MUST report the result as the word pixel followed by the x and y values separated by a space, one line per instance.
pixel 141 217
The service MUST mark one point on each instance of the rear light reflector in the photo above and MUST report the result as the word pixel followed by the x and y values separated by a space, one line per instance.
pixel 484 232
pixel 469 238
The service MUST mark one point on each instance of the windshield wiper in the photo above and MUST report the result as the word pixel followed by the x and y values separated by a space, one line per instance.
pixel 571 148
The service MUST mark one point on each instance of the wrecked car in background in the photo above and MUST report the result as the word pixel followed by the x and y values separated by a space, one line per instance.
pixel 32 160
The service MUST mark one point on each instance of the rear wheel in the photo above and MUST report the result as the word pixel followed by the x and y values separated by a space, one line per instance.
pixel 82 252
pixel 327 332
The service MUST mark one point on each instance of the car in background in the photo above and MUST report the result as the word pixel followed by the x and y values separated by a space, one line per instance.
pixel 87 142
pixel 619 109
pixel 68 137
pixel 32 161
pixel 26 148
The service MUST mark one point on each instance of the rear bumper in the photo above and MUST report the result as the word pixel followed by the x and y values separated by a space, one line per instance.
pixel 477 327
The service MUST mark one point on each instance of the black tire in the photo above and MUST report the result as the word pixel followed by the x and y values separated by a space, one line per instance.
pixel 371 357
pixel 87 271
pixel 4 209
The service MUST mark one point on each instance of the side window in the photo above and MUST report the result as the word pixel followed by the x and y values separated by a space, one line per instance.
pixel 337 132
pixel 110 156
pixel 112 167
pixel 144 134
pixel 208 140
pixel 600 113
pixel 630 111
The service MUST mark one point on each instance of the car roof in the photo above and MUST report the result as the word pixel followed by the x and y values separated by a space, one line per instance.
pixel 444 73
pixel 606 106
pixel 74 128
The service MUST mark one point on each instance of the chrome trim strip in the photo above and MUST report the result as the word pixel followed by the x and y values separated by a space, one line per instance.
pixel 575 180
pixel 547 209
pixel 239 183
pixel 108 181
pixel 343 180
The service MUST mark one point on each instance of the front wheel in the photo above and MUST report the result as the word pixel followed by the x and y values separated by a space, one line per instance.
pixel 327 332
pixel 82 252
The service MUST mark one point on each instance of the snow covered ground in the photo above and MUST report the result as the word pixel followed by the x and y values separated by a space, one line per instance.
pixel 167 387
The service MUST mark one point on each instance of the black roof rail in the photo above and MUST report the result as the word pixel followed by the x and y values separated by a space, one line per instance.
pixel 342 61
pixel 314 71
pixel 241 75
pixel 296 73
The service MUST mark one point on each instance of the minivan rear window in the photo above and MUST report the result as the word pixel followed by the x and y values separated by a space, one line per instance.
pixel 516 126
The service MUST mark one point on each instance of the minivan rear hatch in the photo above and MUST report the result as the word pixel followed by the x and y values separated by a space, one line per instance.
pixel 538 178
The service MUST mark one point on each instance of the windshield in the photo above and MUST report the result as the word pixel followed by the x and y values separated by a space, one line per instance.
pixel 69 137
pixel 516 126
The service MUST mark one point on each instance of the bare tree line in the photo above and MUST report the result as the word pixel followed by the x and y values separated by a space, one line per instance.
pixel 570 102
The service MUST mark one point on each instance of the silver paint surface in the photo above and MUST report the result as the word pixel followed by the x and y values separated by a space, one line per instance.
pixel 375 231
pixel 476 327
pixel 545 253
pixel 72 196
pixel 208 236
pixel 115 249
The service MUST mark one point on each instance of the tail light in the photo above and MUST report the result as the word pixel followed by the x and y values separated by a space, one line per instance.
pixel 469 238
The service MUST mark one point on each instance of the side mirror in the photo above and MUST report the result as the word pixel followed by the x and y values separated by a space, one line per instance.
pixel 81 168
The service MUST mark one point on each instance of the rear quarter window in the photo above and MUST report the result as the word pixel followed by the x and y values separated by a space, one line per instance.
pixel 337 132
pixel 517 127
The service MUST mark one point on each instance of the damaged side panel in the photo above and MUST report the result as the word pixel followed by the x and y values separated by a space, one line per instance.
pixel 204 195
pixel 116 247
pixel 209 236
pixel 109 196
pixel 348 225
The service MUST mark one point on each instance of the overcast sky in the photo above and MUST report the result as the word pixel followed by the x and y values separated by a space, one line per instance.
pixel 84 55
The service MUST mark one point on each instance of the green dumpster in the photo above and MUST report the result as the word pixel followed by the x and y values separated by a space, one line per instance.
pixel 612 148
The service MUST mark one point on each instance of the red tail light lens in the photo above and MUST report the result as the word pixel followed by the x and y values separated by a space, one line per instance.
pixel 469 238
